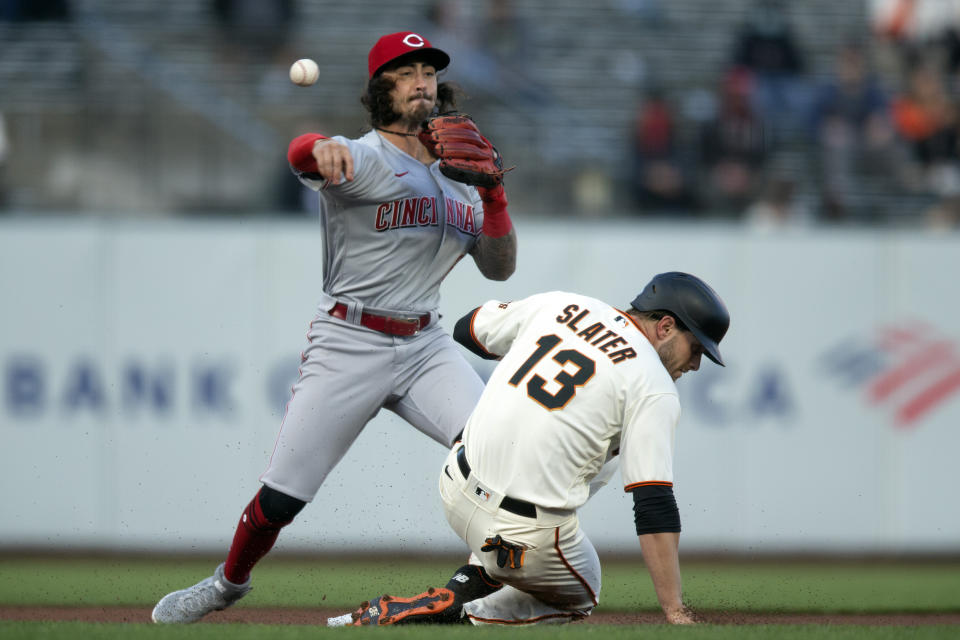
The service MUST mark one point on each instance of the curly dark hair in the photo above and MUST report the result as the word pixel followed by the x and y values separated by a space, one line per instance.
pixel 379 105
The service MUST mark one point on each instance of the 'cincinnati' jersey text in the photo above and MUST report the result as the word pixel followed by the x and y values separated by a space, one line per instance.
pixel 424 212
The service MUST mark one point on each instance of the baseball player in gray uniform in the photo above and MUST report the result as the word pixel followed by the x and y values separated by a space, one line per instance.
pixel 580 385
pixel 393 226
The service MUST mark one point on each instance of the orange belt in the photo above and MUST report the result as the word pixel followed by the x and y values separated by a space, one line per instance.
pixel 385 324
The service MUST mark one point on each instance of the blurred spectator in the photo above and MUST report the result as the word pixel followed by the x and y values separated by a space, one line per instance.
pixel 510 40
pixel 777 208
pixel 910 31
pixel 851 123
pixel 4 153
pixel 659 180
pixel 766 47
pixel 507 36
pixel 35 10
pixel 253 29
pixel 944 215
pixel 733 147
pixel 493 46
pixel 450 27
pixel 951 43
pixel 592 193
pixel 913 23
pixel 927 118
pixel 650 11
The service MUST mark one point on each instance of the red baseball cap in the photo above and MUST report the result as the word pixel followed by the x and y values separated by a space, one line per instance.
pixel 396 45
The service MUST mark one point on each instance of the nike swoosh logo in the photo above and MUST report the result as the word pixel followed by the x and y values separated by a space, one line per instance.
pixel 400 175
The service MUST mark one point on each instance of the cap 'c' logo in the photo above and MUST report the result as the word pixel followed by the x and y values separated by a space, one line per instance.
pixel 413 40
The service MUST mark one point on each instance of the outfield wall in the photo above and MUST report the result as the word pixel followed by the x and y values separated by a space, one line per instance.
pixel 144 368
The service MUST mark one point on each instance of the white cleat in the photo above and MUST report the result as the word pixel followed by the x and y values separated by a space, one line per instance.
pixel 345 620
pixel 191 604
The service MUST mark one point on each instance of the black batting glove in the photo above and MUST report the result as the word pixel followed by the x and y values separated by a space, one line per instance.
pixel 507 554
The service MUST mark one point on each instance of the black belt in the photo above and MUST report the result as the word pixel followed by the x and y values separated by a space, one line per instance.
pixel 519 507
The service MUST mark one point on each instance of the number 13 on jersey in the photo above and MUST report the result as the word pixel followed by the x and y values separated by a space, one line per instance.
pixel 568 381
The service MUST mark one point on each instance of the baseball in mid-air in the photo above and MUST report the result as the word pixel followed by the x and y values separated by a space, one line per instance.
pixel 304 72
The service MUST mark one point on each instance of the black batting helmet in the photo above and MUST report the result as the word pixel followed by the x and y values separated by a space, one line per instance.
pixel 693 303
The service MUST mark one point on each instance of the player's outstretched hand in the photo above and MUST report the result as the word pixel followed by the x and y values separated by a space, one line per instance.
pixel 681 615
pixel 334 161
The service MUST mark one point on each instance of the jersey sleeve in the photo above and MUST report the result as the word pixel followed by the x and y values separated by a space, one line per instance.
pixel 496 324
pixel 646 446
pixel 300 155
pixel 372 176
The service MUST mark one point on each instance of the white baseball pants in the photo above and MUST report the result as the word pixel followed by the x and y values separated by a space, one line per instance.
pixel 560 577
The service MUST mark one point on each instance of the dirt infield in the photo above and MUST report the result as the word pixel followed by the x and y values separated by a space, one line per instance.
pixel 258 615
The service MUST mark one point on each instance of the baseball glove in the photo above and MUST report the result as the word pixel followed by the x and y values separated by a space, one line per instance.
pixel 465 155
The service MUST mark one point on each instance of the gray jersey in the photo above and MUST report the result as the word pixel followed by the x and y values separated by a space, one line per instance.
pixel 389 237
pixel 393 233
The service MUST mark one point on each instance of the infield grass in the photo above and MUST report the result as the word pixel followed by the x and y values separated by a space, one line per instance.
pixel 795 587
pixel 765 586
pixel 73 630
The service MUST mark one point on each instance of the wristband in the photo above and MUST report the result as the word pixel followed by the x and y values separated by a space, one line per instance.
pixel 300 152
pixel 496 219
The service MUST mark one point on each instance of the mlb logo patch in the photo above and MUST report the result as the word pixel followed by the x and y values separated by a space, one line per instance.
pixel 482 493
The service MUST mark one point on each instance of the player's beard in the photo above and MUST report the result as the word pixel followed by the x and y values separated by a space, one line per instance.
pixel 668 356
pixel 416 110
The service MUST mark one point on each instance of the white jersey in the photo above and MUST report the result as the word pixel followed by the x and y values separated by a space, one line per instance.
pixel 394 232
pixel 578 384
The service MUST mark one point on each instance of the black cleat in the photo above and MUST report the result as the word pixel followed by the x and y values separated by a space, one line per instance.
pixel 435 606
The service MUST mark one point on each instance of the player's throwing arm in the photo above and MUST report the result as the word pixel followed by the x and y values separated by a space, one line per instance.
pixel 334 160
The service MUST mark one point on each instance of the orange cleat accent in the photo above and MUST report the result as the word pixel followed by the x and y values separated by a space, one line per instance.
pixel 434 606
